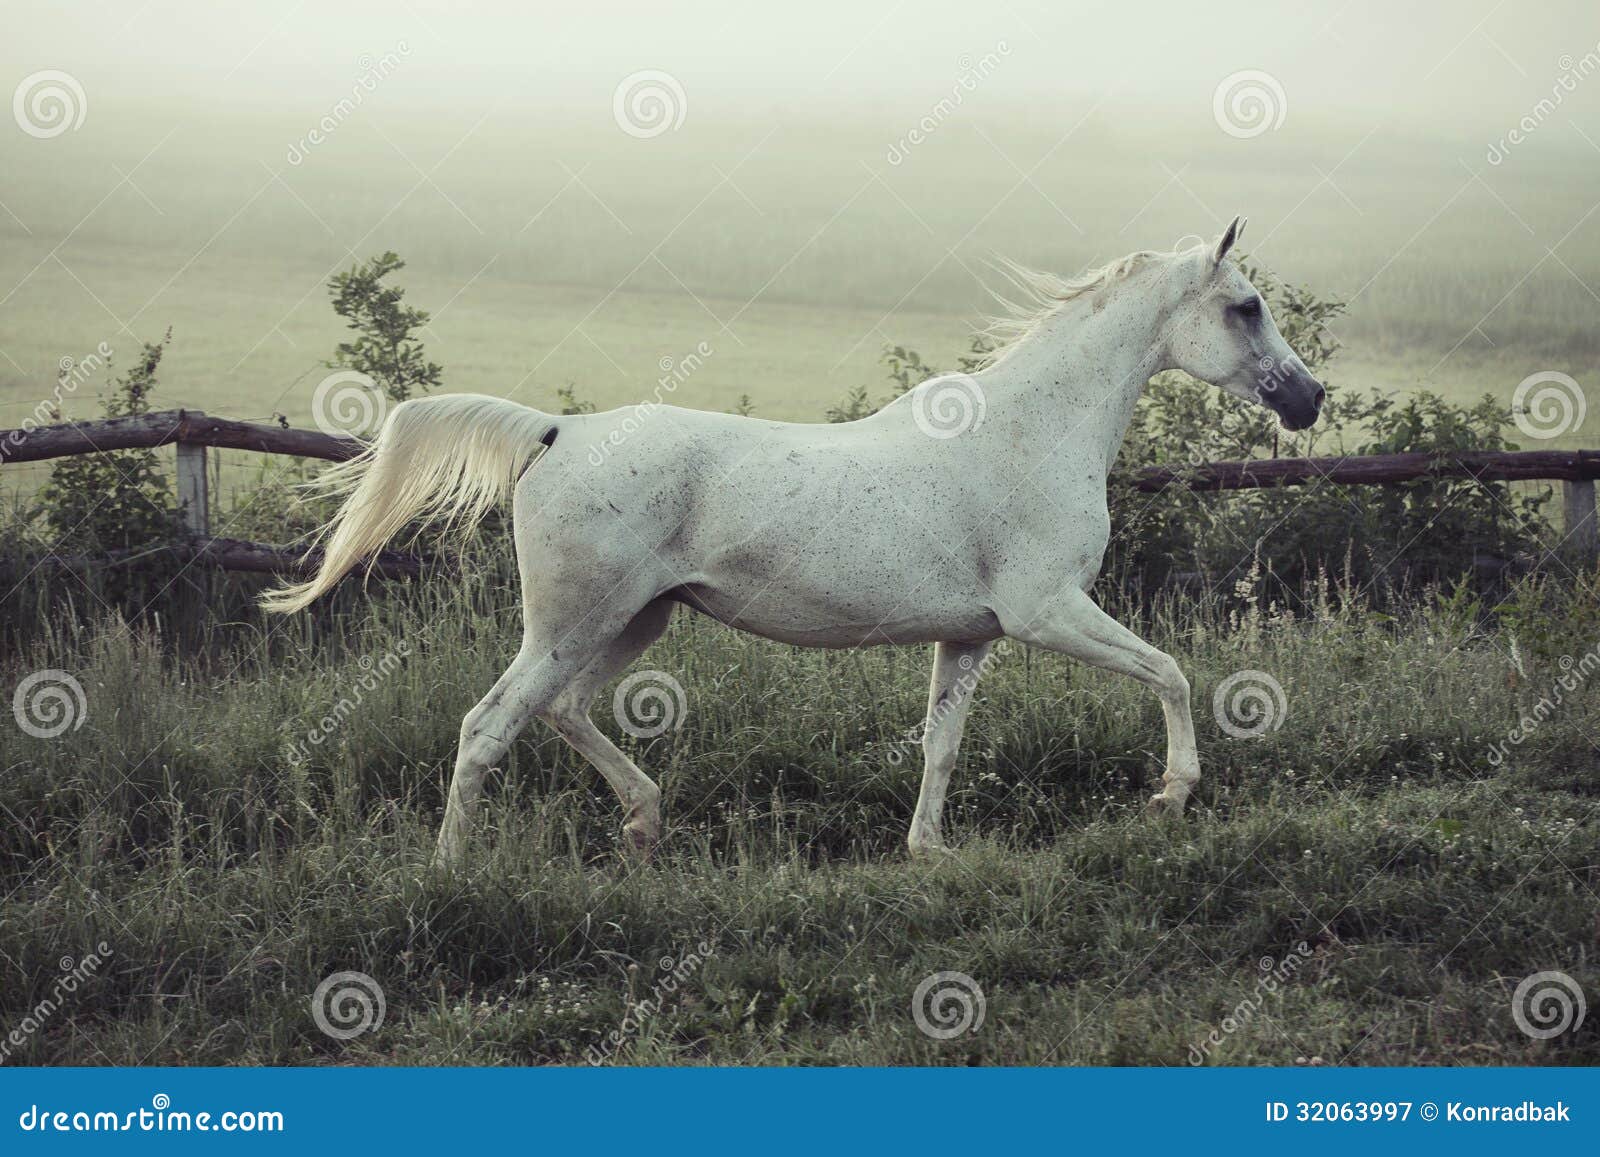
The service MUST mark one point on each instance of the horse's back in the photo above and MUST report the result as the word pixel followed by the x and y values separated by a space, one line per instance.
pixel 826 535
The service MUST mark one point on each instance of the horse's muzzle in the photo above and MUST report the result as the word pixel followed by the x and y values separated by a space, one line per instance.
pixel 1295 396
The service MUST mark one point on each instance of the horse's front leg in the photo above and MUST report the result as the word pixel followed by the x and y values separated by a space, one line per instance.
pixel 1072 624
pixel 956 667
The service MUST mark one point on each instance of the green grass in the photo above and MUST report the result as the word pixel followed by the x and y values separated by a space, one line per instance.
pixel 1423 879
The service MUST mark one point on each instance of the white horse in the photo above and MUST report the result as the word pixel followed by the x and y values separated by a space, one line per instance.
pixel 970 509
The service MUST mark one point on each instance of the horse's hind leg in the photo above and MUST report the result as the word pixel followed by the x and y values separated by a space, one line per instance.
pixel 534 679
pixel 1074 625
pixel 569 715
pixel 956 667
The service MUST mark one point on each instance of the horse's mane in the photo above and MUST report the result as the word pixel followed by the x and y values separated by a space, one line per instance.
pixel 1044 294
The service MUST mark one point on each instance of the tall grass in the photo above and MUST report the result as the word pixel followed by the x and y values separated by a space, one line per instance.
pixel 229 865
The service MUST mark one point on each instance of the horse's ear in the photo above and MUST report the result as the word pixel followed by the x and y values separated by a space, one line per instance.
pixel 1235 230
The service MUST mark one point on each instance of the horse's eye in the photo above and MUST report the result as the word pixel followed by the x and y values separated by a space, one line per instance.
pixel 1251 309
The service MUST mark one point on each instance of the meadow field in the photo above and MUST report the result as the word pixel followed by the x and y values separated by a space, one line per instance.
pixel 1366 881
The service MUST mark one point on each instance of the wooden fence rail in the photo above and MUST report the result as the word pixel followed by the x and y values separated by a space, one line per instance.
pixel 193 431
pixel 185 427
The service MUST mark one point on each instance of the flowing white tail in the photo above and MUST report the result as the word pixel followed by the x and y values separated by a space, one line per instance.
pixel 450 457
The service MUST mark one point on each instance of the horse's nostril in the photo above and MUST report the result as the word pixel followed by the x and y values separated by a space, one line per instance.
pixel 1318 397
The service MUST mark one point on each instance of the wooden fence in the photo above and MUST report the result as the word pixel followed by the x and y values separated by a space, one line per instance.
pixel 193 432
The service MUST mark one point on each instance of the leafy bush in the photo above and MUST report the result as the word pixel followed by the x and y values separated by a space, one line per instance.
pixel 571 404
pixel 97 503
pixel 387 350
pixel 116 503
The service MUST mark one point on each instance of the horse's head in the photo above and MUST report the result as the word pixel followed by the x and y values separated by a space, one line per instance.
pixel 1223 333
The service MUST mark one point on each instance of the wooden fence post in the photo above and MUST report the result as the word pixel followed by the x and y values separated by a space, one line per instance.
pixel 192 489
pixel 1577 501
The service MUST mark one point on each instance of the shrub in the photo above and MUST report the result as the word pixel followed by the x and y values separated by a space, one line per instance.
pixel 118 503
pixel 119 500
pixel 387 350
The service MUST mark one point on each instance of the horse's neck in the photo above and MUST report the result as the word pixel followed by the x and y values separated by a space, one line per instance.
pixel 1079 378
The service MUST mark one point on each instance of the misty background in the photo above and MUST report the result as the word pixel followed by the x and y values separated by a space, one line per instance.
pixel 789 215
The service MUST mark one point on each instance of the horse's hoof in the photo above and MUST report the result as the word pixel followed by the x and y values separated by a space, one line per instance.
pixel 642 841
pixel 1163 807
pixel 929 852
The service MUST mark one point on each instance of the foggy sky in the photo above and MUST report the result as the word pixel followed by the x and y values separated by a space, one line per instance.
pixel 1469 64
